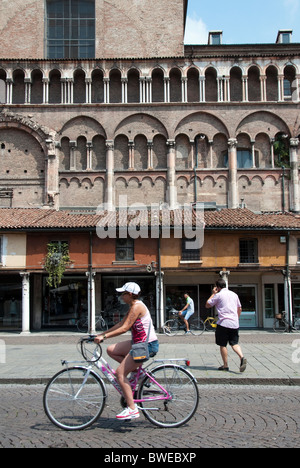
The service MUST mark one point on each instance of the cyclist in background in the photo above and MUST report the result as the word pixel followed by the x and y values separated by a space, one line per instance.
pixel 187 312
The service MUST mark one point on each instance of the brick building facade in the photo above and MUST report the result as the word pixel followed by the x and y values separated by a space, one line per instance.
pixel 103 103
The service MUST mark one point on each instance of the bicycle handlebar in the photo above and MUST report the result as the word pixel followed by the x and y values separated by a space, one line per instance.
pixel 90 354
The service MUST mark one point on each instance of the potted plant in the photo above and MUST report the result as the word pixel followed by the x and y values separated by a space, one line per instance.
pixel 56 262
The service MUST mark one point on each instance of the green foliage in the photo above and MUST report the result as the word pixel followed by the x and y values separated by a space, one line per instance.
pixel 281 152
pixel 56 262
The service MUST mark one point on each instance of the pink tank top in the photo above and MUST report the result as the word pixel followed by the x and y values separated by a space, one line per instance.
pixel 141 326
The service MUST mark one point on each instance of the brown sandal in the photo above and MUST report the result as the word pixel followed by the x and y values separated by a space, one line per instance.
pixel 223 368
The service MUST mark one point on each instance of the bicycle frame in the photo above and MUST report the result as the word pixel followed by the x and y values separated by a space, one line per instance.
pixel 107 371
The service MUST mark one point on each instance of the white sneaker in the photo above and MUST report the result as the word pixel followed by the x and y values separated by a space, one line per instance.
pixel 129 413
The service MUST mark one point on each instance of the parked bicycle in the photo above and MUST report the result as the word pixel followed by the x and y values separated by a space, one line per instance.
pixel 175 326
pixel 282 325
pixel 100 324
pixel 75 397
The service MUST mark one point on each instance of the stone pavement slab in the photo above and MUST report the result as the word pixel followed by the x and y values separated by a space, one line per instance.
pixel 272 358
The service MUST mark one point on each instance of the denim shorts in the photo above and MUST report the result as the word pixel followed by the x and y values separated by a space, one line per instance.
pixel 187 314
pixel 153 348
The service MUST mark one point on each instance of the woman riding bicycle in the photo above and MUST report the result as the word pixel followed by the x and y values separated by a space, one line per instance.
pixel 138 319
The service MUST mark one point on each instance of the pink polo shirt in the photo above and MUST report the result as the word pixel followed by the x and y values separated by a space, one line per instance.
pixel 227 304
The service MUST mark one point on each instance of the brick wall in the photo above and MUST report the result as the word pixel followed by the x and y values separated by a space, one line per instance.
pixel 123 28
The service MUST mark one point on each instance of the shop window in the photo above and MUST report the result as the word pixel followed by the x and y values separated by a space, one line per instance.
pixel 114 308
pixel 10 303
pixel 66 304
pixel 298 250
pixel 248 251
pixel 70 29
pixel 124 250
pixel 190 251
pixel 175 299
pixel 269 301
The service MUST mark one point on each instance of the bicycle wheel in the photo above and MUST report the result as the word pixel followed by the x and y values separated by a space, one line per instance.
pixel 101 325
pixel 210 324
pixel 74 398
pixel 171 327
pixel 82 325
pixel 279 326
pixel 297 325
pixel 176 407
pixel 197 326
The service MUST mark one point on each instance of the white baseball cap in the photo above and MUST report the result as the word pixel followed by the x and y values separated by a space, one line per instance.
pixel 132 288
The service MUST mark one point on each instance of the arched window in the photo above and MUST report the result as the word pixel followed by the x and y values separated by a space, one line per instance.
pixel 236 87
pixel 175 85
pixel 289 78
pixel 157 85
pixel 2 91
pixel 211 86
pixel 272 83
pixel 254 93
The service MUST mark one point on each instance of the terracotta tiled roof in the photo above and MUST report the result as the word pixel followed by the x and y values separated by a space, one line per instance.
pixel 244 218
pixel 31 218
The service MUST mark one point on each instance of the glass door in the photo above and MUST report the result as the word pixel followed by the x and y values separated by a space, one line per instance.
pixel 248 298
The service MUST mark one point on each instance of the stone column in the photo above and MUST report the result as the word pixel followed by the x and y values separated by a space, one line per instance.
pixel 167 89
pixel 72 145
pixel 232 165
pixel 171 175
pixel 88 90
pixel 89 153
pixel 295 202
pixel 245 88
pixel 131 155
pixel 9 90
pixel 184 91
pixel 109 192
pixel 263 88
pixel 45 90
pixel 106 90
pixel 91 302
pixel 150 154
pixel 25 304
pixel 27 82
pixel 202 88
pixel 124 82
pixel 51 183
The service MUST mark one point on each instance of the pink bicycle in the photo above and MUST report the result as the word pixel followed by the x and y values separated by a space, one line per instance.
pixel 75 397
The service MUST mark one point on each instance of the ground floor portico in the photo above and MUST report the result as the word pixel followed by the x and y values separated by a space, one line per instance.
pixel 28 304
pixel 263 295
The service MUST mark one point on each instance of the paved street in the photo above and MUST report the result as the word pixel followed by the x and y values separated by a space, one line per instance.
pixel 272 358
pixel 228 416
pixel 259 408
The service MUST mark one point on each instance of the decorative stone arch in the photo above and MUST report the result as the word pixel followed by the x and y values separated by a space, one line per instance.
pixel 141 124
pixel 82 125
pixel 45 136
pixel 201 123
pixel 255 122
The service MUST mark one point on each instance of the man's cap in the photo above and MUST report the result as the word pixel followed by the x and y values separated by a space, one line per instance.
pixel 132 288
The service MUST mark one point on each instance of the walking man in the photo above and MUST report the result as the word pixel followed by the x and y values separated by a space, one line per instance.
pixel 229 309
pixel 187 312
